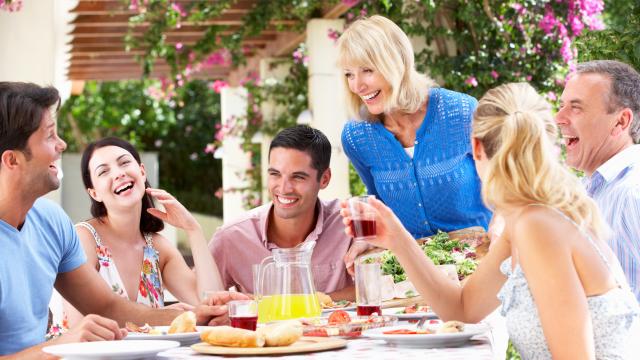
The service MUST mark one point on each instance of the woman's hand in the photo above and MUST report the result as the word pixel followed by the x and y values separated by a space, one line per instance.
pixel 390 232
pixel 175 213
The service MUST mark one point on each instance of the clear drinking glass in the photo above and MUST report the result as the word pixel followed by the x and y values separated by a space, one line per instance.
pixel 243 314
pixel 363 217
pixel 368 288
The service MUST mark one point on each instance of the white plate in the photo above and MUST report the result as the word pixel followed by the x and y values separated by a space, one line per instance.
pixel 184 338
pixel 327 311
pixel 426 340
pixel 121 350
pixel 413 316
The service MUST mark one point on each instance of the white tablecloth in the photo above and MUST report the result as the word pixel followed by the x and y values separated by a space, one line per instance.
pixel 367 349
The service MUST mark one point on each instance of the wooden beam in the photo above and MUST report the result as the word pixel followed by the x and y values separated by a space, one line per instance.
pixel 119 7
pixel 123 20
pixel 111 41
pixel 284 45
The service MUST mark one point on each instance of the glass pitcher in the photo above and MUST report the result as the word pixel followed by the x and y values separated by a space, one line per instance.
pixel 285 286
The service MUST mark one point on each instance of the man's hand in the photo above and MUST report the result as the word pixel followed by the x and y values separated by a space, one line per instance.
pixel 213 310
pixel 93 328
pixel 357 248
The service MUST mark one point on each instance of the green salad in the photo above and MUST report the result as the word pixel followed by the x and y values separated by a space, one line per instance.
pixel 441 250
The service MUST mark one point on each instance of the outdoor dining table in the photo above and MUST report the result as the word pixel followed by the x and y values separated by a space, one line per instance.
pixel 479 348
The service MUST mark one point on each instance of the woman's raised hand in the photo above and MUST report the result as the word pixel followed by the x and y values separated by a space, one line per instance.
pixel 175 213
pixel 389 230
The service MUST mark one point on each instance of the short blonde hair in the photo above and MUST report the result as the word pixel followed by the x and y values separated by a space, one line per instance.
pixel 378 43
pixel 517 130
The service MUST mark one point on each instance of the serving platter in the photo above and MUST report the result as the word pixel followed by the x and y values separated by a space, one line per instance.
pixel 306 344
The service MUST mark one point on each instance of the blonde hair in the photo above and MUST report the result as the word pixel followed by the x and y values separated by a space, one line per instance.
pixel 378 43
pixel 517 130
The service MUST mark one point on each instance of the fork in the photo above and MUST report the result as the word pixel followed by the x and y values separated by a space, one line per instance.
pixel 422 322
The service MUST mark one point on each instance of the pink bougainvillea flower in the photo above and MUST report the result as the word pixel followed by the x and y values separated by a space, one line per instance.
pixel 548 22
pixel 472 81
pixel 218 85
pixel 218 193
pixel 494 74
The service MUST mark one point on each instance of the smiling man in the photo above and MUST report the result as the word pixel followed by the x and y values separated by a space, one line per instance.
pixel 599 119
pixel 298 169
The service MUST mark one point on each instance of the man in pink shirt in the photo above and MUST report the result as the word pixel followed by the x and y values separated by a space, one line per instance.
pixel 298 168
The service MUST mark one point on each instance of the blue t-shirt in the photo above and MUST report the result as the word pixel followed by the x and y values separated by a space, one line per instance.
pixel 437 189
pixel 30 260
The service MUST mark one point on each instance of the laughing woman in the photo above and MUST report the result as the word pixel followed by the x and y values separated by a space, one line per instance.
pixel 560 287
pixel 409 140
pixel 122 241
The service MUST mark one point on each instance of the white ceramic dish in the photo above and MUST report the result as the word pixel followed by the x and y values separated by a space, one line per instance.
pixel 328 311
pixel 183 338
pixel 397 312
pixel 426 340
pixel 120 350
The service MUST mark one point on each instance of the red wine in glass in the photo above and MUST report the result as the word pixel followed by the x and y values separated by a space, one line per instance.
pixel 366 310
pixel 363 228
pixel 244 322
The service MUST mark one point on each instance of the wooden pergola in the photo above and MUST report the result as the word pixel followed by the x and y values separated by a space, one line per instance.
pixel 98 48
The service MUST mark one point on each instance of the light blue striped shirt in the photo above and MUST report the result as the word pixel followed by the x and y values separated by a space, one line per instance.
pixel 615 186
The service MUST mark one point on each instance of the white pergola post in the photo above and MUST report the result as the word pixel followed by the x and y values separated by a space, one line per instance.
pixel 34 47
pixel 233 103
pixel 327 100
pixel 270 71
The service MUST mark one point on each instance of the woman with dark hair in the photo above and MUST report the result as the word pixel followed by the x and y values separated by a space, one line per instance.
pixel 122 241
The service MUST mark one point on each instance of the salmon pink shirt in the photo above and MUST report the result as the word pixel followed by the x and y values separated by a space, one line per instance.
pixel 239 244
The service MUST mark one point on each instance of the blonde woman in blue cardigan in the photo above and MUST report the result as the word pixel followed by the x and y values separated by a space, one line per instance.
pixel 408 140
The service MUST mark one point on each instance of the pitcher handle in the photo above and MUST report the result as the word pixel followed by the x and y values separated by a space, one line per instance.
pixel 261 271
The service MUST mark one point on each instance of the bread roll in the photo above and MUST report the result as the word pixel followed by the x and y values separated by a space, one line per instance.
pixel 232 337
pixel 282 334
pixel 185 322
pixel 325 300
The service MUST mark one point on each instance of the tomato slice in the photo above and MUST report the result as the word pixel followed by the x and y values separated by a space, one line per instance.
pixel 317 332
pixel 339 317
pixel 410 309
pixel 400 332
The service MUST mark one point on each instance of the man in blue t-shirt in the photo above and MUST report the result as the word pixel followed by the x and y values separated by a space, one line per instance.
pixel 39 248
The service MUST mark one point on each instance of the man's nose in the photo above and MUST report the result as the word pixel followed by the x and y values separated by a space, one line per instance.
pixel 62 145
pixel 561 118
pixel 286 186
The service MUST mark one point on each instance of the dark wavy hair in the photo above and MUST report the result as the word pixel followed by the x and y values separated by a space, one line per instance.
pixel 22 106
pixel 148 222
pixel 307 139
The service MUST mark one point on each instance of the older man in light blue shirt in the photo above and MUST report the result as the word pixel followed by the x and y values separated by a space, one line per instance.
pixel 615 187
pixel 599 119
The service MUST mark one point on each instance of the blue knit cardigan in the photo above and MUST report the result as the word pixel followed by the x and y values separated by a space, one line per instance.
pixel 439 188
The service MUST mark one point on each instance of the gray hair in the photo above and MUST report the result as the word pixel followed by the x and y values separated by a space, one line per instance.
pixel 625 88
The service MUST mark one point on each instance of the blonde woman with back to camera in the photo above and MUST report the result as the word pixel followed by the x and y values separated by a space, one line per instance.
pixel 559 286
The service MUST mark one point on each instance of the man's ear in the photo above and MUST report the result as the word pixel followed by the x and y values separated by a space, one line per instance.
pixel 623 122
pixel 325 178
pixel 10 159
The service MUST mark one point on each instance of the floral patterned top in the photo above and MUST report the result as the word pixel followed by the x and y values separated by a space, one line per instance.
pixel 150 290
